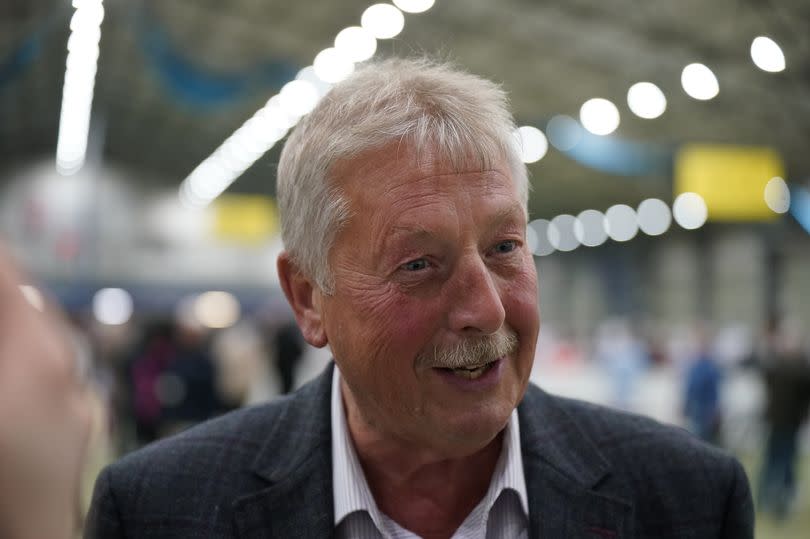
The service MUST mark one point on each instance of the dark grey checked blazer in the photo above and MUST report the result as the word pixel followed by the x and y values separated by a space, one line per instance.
pixel 266 472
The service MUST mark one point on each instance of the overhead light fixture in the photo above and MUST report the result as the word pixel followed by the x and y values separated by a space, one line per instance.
pixel 599 116
pixel 699 82
pixel 297 98
pixel 767 55
pixel 414 6
pixel 646 100
pixel 77 91
pixel 532 143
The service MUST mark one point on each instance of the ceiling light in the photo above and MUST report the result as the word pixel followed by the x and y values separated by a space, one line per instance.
pixel 646 100
pixel 384 21
pixel 564 132
pixel 690 211
pixel 590 228
pixel 699 82
pixel 414 6
pixel 299 97
pixel 599 116
pixel 777 195
pixel 767 55
pixel 561 233
pixel 621 222
pixel 532 143
pixel 356 43
pixel 112 306
pixel 654 217
pixel 331 66
pixel 542 246
pixel 77 91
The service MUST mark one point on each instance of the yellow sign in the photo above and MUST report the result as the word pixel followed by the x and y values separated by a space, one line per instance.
pixel 731 179
pixel 245 218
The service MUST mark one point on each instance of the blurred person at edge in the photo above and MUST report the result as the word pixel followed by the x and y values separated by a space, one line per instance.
pixel 703 378
pixel 45 418
pixel 786 372
pixel 403 207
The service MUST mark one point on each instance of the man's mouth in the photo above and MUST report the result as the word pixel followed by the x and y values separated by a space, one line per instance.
pixel 471 372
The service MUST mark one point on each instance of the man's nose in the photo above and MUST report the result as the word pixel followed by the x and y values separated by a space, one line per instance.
pixel 476 307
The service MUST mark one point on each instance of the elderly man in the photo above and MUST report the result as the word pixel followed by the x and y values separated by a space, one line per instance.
pixel 403 206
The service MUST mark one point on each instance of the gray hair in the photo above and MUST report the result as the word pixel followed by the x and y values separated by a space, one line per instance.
pixel 419 101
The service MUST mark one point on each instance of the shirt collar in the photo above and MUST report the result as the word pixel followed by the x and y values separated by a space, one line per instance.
pixel 351 491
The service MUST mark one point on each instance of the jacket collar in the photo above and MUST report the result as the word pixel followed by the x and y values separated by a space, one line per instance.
pixel 562 465
pixel 296 460
pixel 563 469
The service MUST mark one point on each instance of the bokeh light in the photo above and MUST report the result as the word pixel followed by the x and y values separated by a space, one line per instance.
pixel 646 100
pixel 590 228
pixel 112 306
pixel 561 233
pixel 542 245
pixel 690 211
pixel 654 217
pixel 217 309
pixel 332 66
pixel 356 43
pixel 532 143
pixel 414 6
pixel 599 116
pixel 777 195
pixel 699 82
pixel 621 222
pixel 563 132
pixel 767 55
pixel 384 21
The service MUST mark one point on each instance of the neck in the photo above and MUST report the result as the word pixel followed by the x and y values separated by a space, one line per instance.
pixel 422 490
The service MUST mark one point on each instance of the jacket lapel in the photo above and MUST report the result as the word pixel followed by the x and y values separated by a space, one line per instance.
pixel 563 468
pixel 296 461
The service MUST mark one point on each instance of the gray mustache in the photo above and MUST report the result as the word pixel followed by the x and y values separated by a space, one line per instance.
pixel 471 352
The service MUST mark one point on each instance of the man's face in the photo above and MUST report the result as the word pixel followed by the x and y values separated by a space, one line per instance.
pixel 429 260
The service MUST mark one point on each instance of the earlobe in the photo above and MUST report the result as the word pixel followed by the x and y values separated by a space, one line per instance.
pixel 304 298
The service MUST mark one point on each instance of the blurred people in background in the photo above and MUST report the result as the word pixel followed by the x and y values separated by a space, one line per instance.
pixel 701 400
pixel 45 416
pixel 173 379
pixel 786 372
pixel 625 357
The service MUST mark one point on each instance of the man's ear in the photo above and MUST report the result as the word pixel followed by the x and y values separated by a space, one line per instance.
pixel 304 298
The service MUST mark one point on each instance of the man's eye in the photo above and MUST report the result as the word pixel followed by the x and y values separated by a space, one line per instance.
pixel 415 265
pixel 506 246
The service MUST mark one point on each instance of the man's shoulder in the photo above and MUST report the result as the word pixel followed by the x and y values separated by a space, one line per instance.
pixel 624 437
pixel 236 435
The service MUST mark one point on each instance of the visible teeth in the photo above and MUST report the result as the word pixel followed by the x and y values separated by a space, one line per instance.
pixel 470 374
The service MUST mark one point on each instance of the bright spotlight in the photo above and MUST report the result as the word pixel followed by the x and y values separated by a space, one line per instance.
pixel 767 55
pixel 646 100
pixel 356 43
pixel 690 211
pixel 112 306
pixel 654 217
pixel 599 116
pixel 332 66
pixel 384 21
pixel 621 222
pixel 699 82
pixel 414 6
pixel 532 143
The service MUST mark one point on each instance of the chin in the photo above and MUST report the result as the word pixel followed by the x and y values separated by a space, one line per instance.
pixel 472 431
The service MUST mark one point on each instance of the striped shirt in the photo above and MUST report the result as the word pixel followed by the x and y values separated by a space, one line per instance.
pixel 502 513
